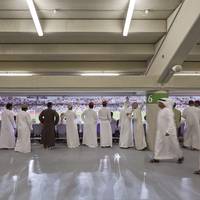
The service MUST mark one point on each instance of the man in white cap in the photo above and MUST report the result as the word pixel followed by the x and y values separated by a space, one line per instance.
pixel 166 144
pixel 71 128
pixel 24 126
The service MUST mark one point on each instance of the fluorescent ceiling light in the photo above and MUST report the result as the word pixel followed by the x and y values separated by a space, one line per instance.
pixel 35 17
pixel 16 74
pixel 129 17
pixel 100 74
pixel 187 73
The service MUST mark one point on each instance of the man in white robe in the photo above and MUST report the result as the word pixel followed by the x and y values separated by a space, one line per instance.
pixel 197 105
pixel 105 127
pixel 24 126
pixel 89 117
pixel 71 128
pixel 192 133
pixel 138 128
pixel 166 144
pixel 125 123
pixel 7 135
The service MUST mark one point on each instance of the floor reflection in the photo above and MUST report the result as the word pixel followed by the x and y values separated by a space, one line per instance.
pixel 99 174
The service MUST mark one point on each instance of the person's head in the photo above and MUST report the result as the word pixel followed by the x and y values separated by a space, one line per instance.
pixel 24 107
pixel 174 106
pixel 49 105
pixel 197 103
pixel 111 113
pixel 135 105
pixel 69 106
pixel 62 115
pixel 162 103
pixel 91 105
pixel 191 103
pixel 104 103
pixel 9 106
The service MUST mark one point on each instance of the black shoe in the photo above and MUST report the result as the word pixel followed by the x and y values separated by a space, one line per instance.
pixel 154 161
pixel 180 160
pixel 197 172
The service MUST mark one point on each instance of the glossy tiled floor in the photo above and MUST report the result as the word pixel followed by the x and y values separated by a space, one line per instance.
pixel 95 174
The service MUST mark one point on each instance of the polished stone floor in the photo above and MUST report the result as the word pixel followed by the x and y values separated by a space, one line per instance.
pixel 95 174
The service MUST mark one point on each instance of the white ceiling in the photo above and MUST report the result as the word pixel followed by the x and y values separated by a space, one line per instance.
pixel 82 22
pixel 84 34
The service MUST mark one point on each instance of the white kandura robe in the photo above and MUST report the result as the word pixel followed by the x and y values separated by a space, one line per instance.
pixel 89 118
pixel 126 133
pixel 166 147
pixel 138 130
pixel 7 134
pixel 105 127
pixel 192 133
pixel 24 126
pixel 71 129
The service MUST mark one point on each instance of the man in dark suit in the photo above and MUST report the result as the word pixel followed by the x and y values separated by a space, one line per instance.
pixel 49 118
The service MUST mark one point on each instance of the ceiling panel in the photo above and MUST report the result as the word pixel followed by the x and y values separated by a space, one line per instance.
pixel 88 9
pixel 91 4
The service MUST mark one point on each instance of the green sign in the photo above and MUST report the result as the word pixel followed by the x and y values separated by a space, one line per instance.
pixel 152 98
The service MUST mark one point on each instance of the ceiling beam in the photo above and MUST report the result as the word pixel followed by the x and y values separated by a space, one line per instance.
pixel 194 54
pixel 91 5
pixel 83 83
pixel 75 52
pixel 81 26
pixel 134 67
pixel 191 66
pixel 180 39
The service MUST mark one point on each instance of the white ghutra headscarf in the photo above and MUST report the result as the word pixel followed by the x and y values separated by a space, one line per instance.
pixel 167 102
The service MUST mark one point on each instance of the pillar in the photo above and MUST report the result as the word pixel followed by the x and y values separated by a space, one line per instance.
pixel 151 114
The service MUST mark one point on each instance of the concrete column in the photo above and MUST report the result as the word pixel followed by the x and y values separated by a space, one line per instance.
pixel 152 111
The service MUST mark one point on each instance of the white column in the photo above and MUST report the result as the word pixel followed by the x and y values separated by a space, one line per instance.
pixel 152 111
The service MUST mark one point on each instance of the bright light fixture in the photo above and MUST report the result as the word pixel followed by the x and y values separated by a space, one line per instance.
pixel 35 17
pixel 146 11
pixel 16 74
pixel 129 17
pixel 187 73
pixel 100 74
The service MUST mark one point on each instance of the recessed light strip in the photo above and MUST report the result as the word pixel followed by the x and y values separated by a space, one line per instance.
pixel 100 74
pixel 129 17
pixel 187 73
pixel 14 74
pixel 35 17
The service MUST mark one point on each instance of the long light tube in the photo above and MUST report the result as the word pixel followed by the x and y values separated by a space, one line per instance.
pixel 189 73
pixel 11 74
pixel 129 17
pixel 35 17
pixel 100 74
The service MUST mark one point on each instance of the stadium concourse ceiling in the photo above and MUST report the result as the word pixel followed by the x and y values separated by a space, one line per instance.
pixel 86 36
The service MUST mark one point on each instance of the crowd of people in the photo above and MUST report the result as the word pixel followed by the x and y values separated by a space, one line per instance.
pixel 131 128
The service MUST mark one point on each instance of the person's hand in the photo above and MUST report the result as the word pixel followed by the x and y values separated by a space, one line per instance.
pixel 167 134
